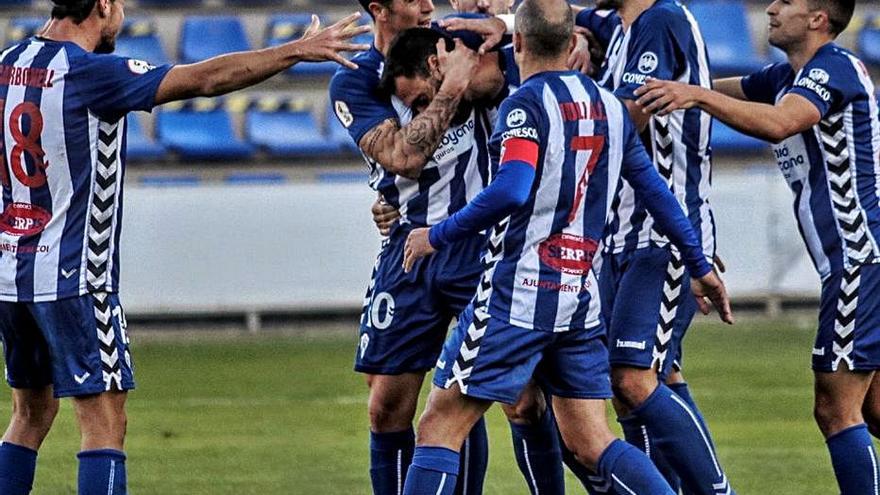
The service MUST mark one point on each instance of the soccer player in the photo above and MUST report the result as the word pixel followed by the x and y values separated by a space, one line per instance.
pixel 63 104
pixel 563 144
pixel 428 165
pixel 819 110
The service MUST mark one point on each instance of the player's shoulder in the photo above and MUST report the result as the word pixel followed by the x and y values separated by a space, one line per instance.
pixel 663 15
pixel 366 76
pixel 835 59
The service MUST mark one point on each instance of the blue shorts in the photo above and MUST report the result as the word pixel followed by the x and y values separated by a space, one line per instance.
pixel 493 360
pixel 849 321
pixel 647 305
pixel 78 345
pixel 406 316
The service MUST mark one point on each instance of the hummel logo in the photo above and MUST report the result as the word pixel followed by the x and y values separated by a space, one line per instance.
pixel 631 344
pixel 441 364
pixel 81 379
pixel 818 351
pixel 67 274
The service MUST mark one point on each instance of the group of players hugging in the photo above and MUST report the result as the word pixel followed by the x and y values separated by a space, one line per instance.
pixel 549 190
pixel 544 180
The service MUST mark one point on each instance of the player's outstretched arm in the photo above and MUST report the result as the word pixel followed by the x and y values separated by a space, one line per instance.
pixel 226 73
pixel 405 150
pixel 791 115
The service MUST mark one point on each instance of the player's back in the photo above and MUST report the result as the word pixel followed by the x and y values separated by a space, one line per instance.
pixel 544 279
pixel 63 114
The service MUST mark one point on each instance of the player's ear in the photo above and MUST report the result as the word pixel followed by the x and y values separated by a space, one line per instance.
pixel 819 19
pixel 572 43
pixel 103 8
pixel 379 11
pixel 517 42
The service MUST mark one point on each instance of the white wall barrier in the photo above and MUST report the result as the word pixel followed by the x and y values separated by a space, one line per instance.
pixel 219 249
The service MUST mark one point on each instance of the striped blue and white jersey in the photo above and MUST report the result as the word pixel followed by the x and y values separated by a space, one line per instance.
pixel 459 169
pixel 63 114
pixel 664 42
pixel 833 168
pixel 539 260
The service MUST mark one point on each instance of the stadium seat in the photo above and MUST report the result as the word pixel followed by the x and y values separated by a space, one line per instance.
pixel 282 28
pixel 15 4
pixel 169 3
pixel 730 45
pixel 204 37
pixel 287 128
pixel 187 180
pixel 23 27
pixel 868 42
pixel 728 141
pixel 255 178
pixel 140 147
pixel 200 129
pixel 138 39
pixel 339 134
pixel 253 3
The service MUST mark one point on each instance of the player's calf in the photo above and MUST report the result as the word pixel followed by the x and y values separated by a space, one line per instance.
pixel 102 421
pixel 871 407
pixel 33 412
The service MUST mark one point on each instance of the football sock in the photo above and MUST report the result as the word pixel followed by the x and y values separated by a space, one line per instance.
pixel 636 433
pixel 681 438
pixel 630 471
pixel 592 482
pixel 101 472
pixel 17 466
pixel 537 452
pixel 433 472
pixel 390 456
pixel 854 461
pixel 473 459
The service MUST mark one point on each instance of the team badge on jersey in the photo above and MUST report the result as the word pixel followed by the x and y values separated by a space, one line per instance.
pixel 343 113
pixel 516 118
pixel 648 62
pixel 139 66
pixel 819 75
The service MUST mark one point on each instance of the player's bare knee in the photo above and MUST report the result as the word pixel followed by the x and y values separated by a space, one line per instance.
pixel 387 415
pixel 633 386
pixel 832 417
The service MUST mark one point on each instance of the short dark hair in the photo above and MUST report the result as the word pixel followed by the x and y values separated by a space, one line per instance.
pixel 408 56
pixel 366 4
pixel 78 10
pixel 840 12
pixel 545 37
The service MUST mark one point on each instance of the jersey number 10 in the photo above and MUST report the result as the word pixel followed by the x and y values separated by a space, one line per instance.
pixel 24 143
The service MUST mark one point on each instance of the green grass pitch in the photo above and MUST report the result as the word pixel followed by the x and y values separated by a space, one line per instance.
pixel 286 415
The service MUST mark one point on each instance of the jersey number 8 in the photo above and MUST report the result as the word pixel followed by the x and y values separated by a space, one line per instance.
pixel 24 143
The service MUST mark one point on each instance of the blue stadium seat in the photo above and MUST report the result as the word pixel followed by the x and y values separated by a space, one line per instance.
pixel 23 27
pixel 253 3
pixel 282 28
pixel 17 4
pixel 187 180
pixel 728 141
pixel 204 37
pixel 169 3
pixel 868 42
pixel 731 49
pixel 255 178
pixel 200 129
pixel 138 39
pixel 339 134
pixel 287 129
pixel 140 147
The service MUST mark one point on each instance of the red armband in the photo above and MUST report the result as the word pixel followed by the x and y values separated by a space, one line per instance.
pixel 520 150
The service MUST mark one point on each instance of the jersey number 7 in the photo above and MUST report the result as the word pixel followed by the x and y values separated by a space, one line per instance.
pixel 593 145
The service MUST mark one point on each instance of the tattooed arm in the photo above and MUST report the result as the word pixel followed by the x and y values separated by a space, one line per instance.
pixel 405 150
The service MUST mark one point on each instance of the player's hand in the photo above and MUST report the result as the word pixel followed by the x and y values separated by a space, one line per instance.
pixel 663 97
pixel 417 246
pixel 492 29
pixel 719 265
pixel 710 287
pixel 319 44
pixel 579 58
pixel 457 66
pixel 384 215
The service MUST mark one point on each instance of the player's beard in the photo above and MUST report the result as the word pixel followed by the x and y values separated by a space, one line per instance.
pixel 107 43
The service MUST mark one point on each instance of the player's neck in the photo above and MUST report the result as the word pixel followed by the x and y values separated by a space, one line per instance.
pixel 799 55
pixel 86 34
pixel 383 38
pixel 535 65
pixel 632 9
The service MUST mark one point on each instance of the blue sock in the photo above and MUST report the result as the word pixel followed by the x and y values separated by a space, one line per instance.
pixel 592 482
pixel 474 460
pixel 854 460
pixel 433 472
pixel 631 471
pixel 636 433
pixel 17 466
pixel 538 455
pixel 682 390
pixel 682 439
pixel 390 456
pixel 102 472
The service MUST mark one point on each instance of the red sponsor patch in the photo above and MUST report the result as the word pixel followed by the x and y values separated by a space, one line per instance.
pixel 568 253
pixel 24 219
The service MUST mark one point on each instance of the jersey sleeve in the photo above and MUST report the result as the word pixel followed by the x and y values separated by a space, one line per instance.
pixel 829 82
pixel 356 104
pixel 599 22
pixel 762 86
pixel 113 86
pixel 652 53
